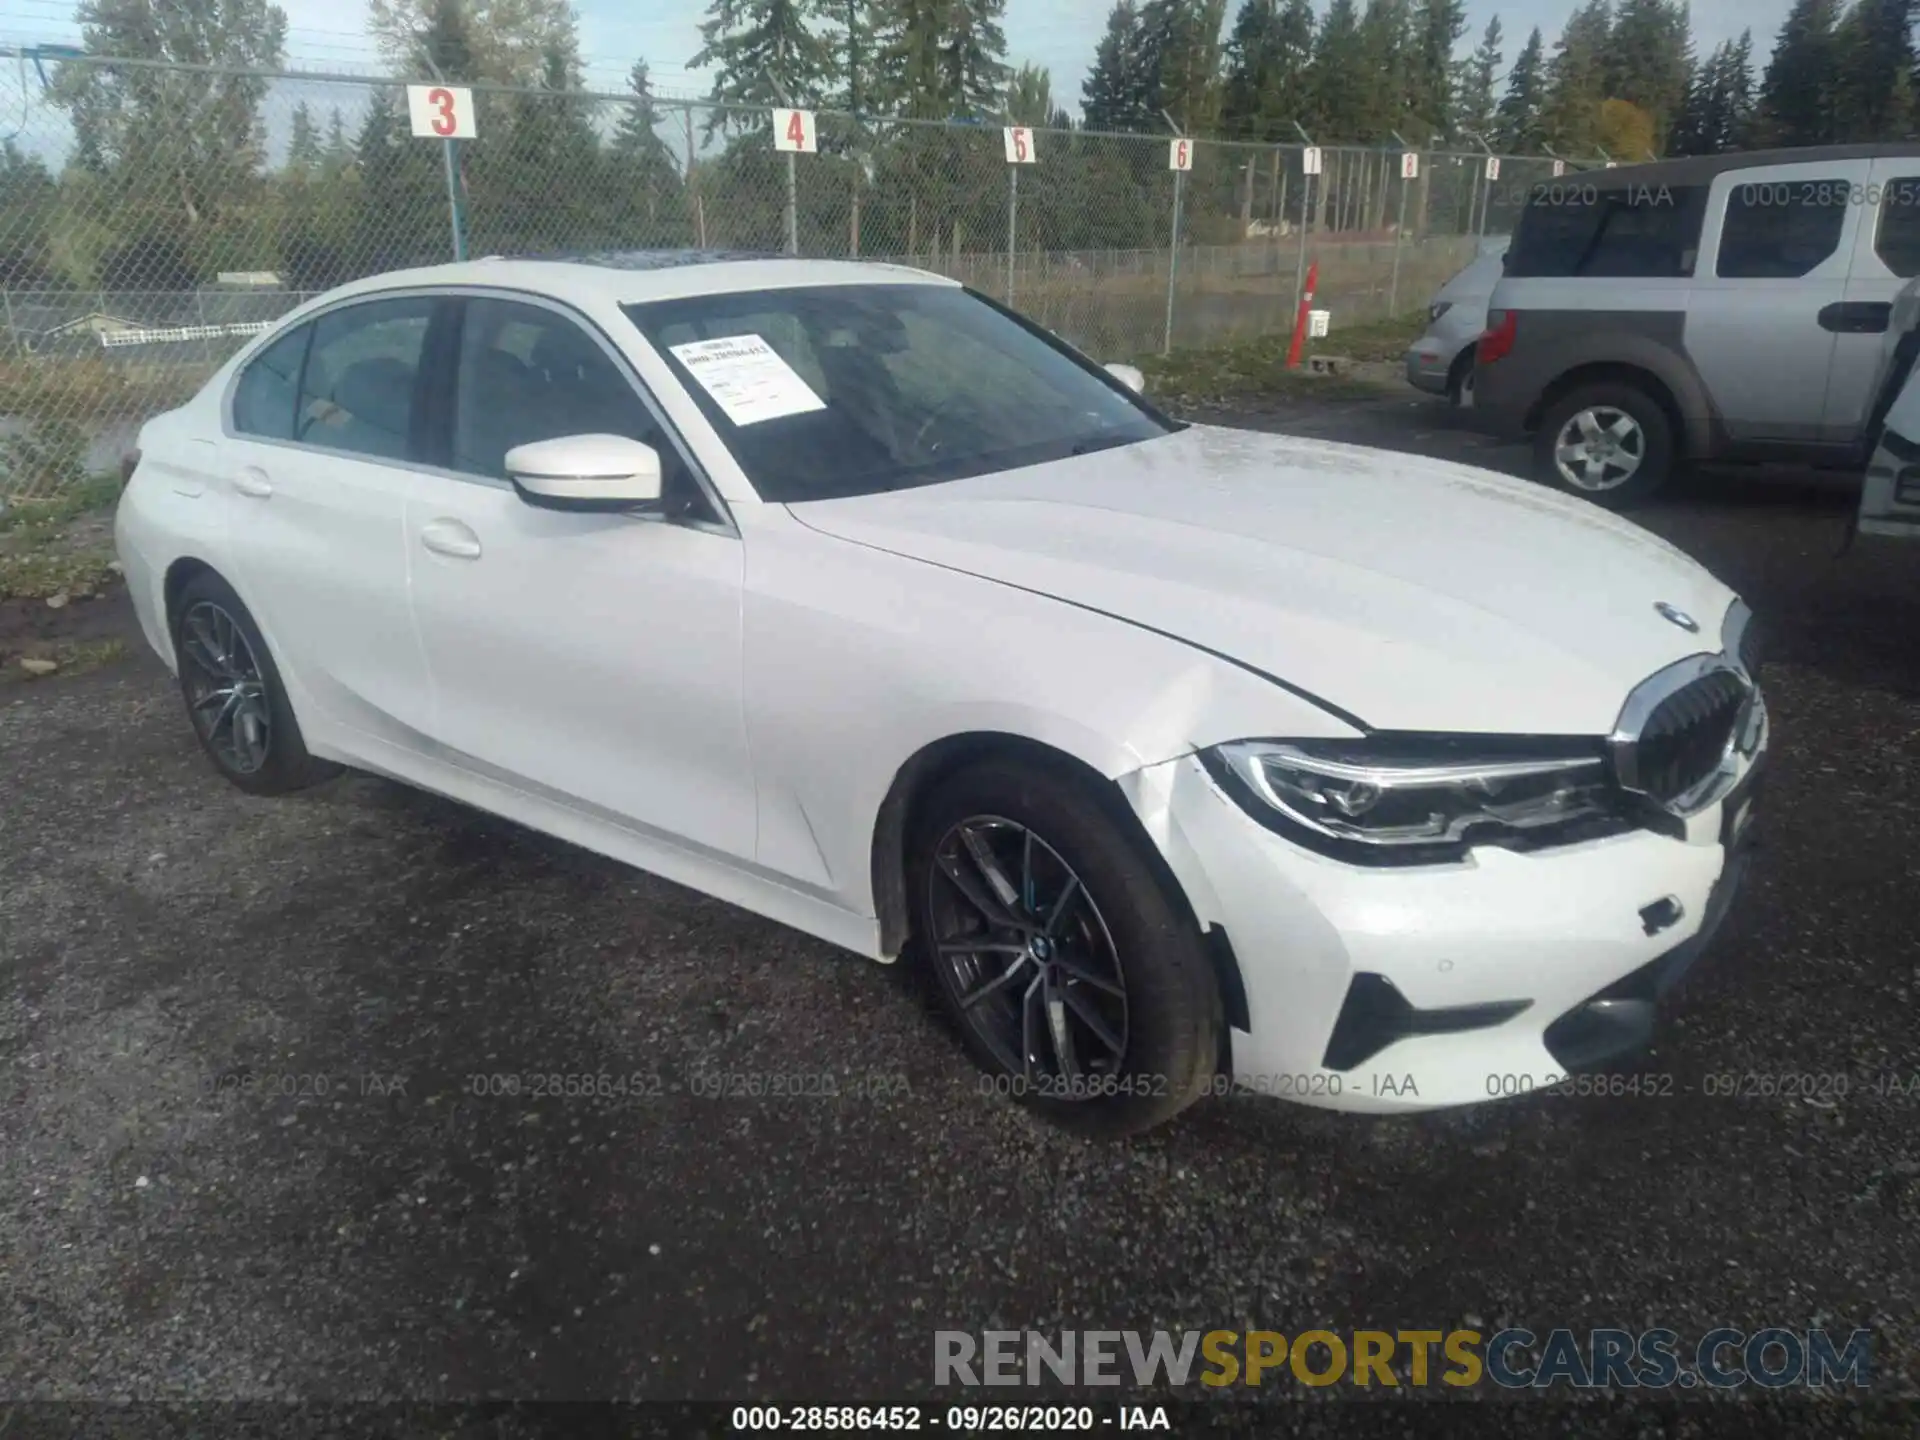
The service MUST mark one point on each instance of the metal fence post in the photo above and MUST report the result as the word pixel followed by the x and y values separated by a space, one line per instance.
pixel 456 211
pixel 1013 218
pixel 793 208
pixel 1306 217
pixel 1173 258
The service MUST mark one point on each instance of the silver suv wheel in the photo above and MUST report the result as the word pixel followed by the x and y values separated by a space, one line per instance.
pixel 1599 448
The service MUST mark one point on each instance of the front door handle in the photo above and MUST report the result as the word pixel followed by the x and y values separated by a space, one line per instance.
pixel 450 537
pixel 252 480
pixel 1857 317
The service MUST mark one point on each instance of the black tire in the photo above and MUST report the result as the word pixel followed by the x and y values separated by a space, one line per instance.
pixel 1654 452
pixel 1460 379
pixel 210 673
pixel 1169 1012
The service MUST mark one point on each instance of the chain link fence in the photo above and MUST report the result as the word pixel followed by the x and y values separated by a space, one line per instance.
pixel 152 217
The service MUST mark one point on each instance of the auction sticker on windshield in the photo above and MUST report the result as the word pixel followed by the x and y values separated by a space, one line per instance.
pixel 747 378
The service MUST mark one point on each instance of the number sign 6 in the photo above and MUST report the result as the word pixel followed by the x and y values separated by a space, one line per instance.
pixel 441 112
pixel 1180 154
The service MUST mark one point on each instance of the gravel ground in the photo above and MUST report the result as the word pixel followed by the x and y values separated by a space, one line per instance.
pixel 344 1219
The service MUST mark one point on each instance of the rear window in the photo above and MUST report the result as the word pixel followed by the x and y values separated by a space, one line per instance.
pixel 1642 231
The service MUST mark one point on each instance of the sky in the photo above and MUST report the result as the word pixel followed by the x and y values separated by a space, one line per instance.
pixel 1058 34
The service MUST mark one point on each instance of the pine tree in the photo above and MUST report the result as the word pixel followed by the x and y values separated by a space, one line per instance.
pixel 1267 59
pixel 1118 93
pixel 1182 53
pixel 303 148
pixel 1339 79
pixel 1517 119
pixel 935 59
pixel 1387 42
pixel 646 177
pixel 1875 53
pixel 1577 78
pixel 1030 96
pixel 1477 103
pixel 1430 100
pixel 1798 94
pixel 764 54
pixel 1719 102
pixel 1646 60
pixel 402 215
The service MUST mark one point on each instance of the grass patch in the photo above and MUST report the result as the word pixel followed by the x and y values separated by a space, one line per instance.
pixel 35 522
pixel 1253 367
pixel 1381 340
pixel 39 571
pixel 74 657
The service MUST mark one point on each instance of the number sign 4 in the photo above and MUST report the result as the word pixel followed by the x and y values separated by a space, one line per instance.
pixel 794 130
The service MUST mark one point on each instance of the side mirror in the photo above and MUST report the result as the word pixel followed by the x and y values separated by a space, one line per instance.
pixel 585 472
pixel 1129 376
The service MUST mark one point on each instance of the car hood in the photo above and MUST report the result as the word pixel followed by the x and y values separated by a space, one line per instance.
pixel 1414 594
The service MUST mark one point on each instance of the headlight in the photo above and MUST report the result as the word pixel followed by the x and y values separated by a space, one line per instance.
pixel 1437 309
pixel 1392 802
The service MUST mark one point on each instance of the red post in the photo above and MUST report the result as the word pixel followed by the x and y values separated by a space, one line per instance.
pixel 1300 322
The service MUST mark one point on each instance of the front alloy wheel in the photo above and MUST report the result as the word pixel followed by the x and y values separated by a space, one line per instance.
pixel 1061 949
pixel 1031 958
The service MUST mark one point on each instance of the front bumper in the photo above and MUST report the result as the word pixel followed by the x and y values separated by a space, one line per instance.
pixel 1396 990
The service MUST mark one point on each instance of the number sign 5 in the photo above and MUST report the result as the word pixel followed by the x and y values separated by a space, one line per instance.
pixel 441 112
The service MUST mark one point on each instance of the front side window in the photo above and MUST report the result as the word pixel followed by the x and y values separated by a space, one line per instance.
pixel 834 390
pixel 1781 229
pixel 528 373
pixel 263 396
pixel 358 391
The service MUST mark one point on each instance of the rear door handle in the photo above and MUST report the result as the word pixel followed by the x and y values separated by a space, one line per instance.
pixel 450 537
pixel 252 480
pixel 1857 317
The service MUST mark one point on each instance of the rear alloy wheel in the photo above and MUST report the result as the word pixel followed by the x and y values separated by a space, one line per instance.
pixel 1075 981
pixel 234 696
pixel 1611 444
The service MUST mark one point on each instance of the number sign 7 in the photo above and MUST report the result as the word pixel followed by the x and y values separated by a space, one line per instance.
pixel 441 112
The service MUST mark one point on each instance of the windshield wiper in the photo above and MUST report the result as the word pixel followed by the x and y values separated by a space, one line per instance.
pixel 1104 442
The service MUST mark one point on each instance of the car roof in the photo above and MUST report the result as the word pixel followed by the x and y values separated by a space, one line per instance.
pixel 627 277
pixel 1701 169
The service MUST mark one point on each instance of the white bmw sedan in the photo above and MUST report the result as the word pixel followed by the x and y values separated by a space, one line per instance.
pixel 1179 756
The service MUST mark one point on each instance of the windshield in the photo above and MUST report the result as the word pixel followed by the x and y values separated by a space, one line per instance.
pixel 838 390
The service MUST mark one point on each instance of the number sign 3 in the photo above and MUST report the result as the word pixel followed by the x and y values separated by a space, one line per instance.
pixel 441 112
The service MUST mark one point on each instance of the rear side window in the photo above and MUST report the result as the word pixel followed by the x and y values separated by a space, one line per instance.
pixel 1637 231
pixel 1897 242
pixel 357 391
pixel 263 397
pixel 1781 229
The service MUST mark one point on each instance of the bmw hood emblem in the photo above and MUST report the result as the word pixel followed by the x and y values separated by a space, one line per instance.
pixel 1674 615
